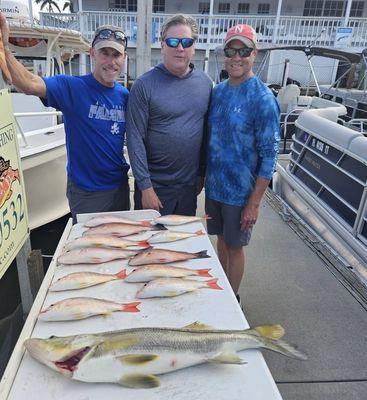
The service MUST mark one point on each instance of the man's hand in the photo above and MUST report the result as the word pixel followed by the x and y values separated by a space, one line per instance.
pixel 249 216
pixel 150 200
pixel 4 29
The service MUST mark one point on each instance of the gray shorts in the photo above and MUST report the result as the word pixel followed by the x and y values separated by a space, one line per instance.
pixel 225 221
pixel 83 201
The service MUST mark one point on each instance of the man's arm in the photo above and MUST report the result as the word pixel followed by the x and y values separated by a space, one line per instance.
pixel 137 117
pixel 22 79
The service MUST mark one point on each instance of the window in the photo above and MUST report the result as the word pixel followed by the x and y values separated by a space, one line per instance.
pixel 124 5
pixel 243 8
pixel 357 9
pixel 333 8
pixel 204 8
pixel 313 8
pixel 263 8
pixel 132 5
pixel 224 8
pixel 159 6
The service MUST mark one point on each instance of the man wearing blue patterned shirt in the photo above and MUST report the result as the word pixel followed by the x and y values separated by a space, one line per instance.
pixel 243 147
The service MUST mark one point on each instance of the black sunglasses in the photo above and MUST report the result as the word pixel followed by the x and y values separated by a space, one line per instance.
pixel 242 52
pixel 174 42
pixel 106 34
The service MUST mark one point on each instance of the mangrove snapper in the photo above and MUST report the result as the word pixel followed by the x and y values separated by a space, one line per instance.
pixel 162 256
pixel 171 236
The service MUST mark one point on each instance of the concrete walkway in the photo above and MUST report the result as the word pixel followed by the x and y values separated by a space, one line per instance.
pixel 286 282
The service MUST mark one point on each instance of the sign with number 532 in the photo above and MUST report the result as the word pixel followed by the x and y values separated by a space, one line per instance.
pixel 13 211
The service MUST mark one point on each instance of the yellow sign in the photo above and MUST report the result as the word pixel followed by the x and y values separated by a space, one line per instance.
pixel 13 211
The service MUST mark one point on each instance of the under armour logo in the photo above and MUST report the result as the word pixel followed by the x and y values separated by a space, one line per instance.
pixel 237 109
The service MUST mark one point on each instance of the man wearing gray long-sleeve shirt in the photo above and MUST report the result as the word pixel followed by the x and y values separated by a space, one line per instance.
pixel 165 124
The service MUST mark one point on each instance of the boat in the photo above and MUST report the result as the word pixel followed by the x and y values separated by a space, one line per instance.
pixel 41 135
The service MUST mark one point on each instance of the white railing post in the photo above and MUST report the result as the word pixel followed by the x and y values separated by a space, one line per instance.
pixel 208 37
pixel 276 23
pixel 347 12
pixel 30 11
pixel 144 37
pixel 82 57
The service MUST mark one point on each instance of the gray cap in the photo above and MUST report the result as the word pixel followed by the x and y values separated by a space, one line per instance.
pixel 117 44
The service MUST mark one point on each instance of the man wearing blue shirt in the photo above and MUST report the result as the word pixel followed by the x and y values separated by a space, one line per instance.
pixel 242 154
pixel 93 107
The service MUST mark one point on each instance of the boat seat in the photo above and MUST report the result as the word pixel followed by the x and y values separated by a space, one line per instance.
pixel 287 95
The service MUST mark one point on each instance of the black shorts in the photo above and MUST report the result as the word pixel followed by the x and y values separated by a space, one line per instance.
pixel 225 221
pixel 82 201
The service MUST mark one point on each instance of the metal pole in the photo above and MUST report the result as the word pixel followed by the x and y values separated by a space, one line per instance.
pixel 144 37
pixel 208 37
pixel 82 56
pixel 30 11
pixel 347 12
pixel 276 24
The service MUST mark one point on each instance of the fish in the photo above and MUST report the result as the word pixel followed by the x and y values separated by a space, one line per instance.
pixel 6 180
pixel 171 236
pixel 83 307
pixel 134 357
pixel 174 219
pixel 80 280
pixel 163 256
pixel 170 287
pixel 121 230
pixel 93 255
pixel 3 64
pixel 105 242
pixel 148 273
pixel 108 219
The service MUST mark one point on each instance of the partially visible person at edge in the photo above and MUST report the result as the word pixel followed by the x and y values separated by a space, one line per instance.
pixel 242 153
pixel 93 107
pixel 165 119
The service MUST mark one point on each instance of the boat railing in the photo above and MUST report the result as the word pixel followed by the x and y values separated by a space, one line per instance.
pixel 291 30
pixel 23 135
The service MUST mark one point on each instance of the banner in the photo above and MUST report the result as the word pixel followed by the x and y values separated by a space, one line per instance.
pixel 343 37
pixel 13 210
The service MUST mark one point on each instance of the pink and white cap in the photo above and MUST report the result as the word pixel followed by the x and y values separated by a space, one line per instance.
pixel 245 33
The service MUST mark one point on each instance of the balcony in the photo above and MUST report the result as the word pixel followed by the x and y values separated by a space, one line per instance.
pixel 292 30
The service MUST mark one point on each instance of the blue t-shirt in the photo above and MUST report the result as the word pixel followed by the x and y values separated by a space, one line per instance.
pixel 94 118
pixel 243 141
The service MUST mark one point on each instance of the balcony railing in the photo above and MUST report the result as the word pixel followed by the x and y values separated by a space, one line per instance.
pixel 292 30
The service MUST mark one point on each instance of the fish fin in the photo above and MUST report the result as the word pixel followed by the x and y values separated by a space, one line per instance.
pixel 212 284
pixel 274 332
pixel 137 359
pixel 199 326
pixel 146 223
pixel 280 346
pixel 144 243
pixel 139 381
pixel 204 272
pixel 121 274
pixel 159 227
pixel 201 254
pixel 199 233
pixel 227 358
pixel 131 307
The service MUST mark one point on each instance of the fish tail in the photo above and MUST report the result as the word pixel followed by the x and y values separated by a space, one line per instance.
pixel 280 346
pixel 201 254
pixel 212 284
pixel 199 233
pixel 206 216
pixel 131 307
pixel 159 227
pixel 203 272
pixel 143 243
pixel 121 274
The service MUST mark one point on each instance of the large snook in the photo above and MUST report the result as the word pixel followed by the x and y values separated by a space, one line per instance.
pixel 133 357
pixel 93 255
pixel 120 230
pixel 105 241
pixel 163 256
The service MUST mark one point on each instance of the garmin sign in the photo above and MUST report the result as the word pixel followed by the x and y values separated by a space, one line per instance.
pixel 15 9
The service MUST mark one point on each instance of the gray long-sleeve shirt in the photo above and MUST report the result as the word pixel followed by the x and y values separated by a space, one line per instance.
pixel 164 127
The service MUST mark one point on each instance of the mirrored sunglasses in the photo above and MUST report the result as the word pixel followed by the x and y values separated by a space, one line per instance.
pixel 174 42
pixel 106 34
pixel 242 52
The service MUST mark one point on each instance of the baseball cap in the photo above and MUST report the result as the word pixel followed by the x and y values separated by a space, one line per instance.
pixel 109 36
pixel 245 33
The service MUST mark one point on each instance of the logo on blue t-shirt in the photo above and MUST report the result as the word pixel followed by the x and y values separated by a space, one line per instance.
pixel 100 111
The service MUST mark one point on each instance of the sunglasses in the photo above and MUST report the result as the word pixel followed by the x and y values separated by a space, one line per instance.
pixel 106 34
pixel 174 42
pixel 242 52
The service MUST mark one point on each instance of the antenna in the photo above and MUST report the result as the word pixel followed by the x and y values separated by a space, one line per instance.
pixel 315 40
